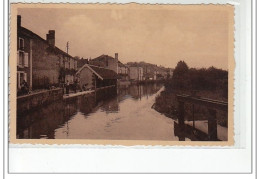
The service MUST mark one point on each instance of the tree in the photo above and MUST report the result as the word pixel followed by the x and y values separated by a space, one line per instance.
pixel 180 78
pixel 180 69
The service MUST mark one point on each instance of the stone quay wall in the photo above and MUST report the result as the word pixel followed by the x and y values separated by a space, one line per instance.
pixel 32 101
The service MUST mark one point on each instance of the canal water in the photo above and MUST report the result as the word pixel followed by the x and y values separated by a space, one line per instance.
pixel 125 113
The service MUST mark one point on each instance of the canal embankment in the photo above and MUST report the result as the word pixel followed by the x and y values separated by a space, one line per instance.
pixel 80 93
pixel 35 100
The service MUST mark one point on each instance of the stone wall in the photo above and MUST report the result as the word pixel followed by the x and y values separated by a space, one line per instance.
pixel 32 101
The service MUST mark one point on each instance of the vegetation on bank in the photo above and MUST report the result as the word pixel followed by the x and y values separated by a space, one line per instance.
pixel 207 83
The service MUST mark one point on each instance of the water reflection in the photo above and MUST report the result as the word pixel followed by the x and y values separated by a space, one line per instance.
pixel 122 113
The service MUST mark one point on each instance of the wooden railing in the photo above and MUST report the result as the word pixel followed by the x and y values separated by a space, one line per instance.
pixel 210 104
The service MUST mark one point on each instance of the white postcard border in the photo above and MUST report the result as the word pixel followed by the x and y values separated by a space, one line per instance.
pixel 22 154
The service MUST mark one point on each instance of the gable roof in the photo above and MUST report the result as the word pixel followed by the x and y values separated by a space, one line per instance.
pixel 101 73
pixel 101 60
pixel 105 73
pixel 97 63
pixel 32 35
pixel 120 64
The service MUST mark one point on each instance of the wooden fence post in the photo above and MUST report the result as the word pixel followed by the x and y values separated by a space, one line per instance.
pixel 212 125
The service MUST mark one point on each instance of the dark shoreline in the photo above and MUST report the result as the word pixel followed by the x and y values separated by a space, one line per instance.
pixel 166 104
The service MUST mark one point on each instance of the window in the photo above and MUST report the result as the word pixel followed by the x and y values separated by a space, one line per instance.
pixel 21 43
pixel 22 59
pixel 20 77
pixel 75 63
pixel 71 63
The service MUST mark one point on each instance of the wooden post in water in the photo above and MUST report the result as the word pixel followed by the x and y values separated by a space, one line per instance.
pixel 181 113
pixel 193 116
pixel 181 121
pixel 212 125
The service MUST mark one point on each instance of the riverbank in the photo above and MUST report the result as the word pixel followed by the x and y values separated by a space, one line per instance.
pixel 70 95
pixel 166 103
pixel 35 100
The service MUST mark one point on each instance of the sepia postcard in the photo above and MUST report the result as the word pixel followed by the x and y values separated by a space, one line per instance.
pixel 122 74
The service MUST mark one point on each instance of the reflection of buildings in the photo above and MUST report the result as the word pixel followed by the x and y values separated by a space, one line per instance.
pixel 106 99
pixel 51 117
pixel 139 91
pixel 45 120
pixel 111 106
pixel 86 104
pixel 136 91
pixel 122 92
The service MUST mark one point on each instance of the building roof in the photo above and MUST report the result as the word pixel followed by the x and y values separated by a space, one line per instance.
pixel 100 60
pixel 82 62
pixel 97 63
pixel 105 73
pixel 120 64
pixel 32 35
pixel 101 73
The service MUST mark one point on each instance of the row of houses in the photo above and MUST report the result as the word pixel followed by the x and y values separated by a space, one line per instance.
pixel 40 64
pixel 125 72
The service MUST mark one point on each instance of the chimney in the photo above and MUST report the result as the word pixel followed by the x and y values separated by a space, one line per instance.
pixel 50 37
pixel 19 20
pixel 116 56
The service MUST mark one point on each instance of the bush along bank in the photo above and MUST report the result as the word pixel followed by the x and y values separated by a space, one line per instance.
pixel 207 83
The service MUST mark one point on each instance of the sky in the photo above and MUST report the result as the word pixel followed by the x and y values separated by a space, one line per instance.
pixel 199 35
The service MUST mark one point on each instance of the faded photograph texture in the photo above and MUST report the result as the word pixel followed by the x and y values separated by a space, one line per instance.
pixel 123 72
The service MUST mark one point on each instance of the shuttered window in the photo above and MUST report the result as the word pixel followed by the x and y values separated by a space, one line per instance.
pixel 25 77
pixel 26 59
pixel 21 58
pixel 21 43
